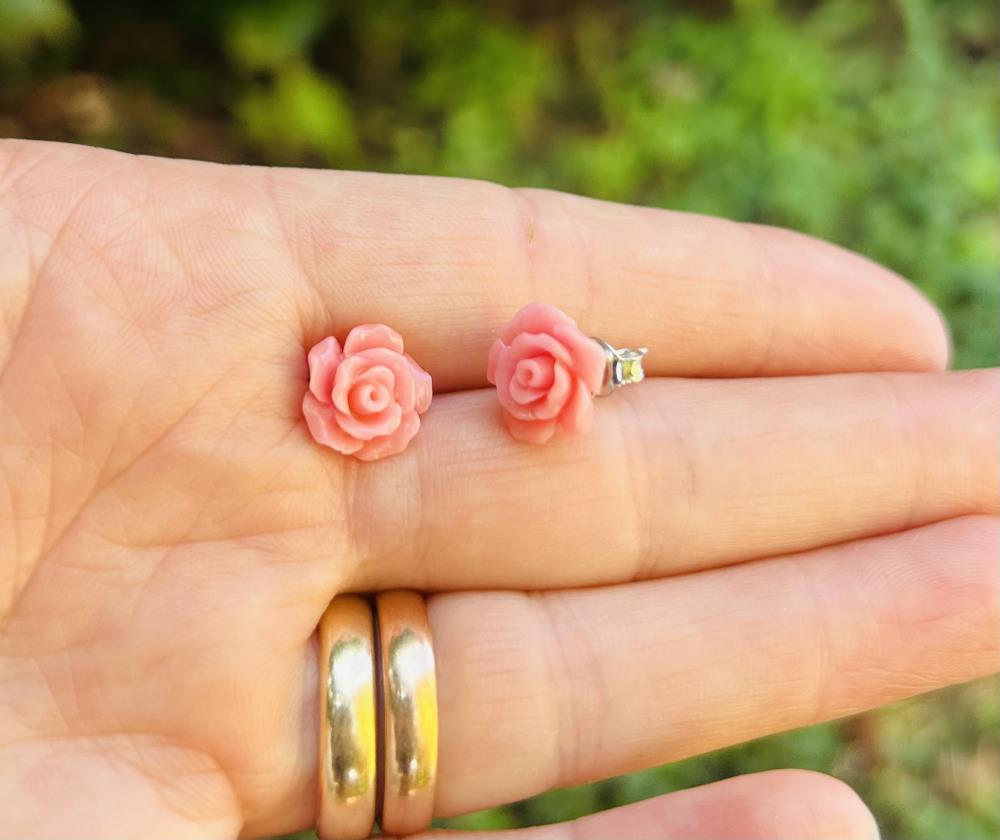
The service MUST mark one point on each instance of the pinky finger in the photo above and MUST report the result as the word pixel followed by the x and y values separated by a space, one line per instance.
pixel 776 805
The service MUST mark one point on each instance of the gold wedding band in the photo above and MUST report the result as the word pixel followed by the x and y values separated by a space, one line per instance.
pixel 347 749
pixel 409 710
pixel 378 717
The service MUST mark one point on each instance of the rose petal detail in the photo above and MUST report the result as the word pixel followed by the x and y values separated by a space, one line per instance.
pixel 503 373
pixel 530 345
pixel 524 395
pixel 380 375
pixel 393 444
pixel 423 387
pixel 353 367
pixel 402 370
pixel 555 400
pixel 496 351
pixel 589 363
pixel 530 431
pixel 536 372
pixel 322 422
pixel 368 398
pixel 371 426
pixel 324 358
pixel 535 318
pixel 368 336
pixel 578 412
pixel 350 369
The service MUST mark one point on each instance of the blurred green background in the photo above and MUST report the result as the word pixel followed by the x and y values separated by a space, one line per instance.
pixel 867 122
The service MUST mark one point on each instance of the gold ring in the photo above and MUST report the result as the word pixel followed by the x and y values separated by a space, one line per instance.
pixel 347 747
pixel 409 711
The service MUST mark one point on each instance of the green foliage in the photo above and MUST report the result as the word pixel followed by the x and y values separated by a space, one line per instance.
pixel 267 36
pixel 300 113
pixel 25 23
pixel 872 124
pixel 869 124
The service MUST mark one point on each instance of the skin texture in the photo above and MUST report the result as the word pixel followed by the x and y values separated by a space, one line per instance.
pixel 170 534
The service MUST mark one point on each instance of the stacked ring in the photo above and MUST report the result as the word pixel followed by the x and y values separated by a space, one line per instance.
pixel 409 712
pixel 347 747
pixel 378 717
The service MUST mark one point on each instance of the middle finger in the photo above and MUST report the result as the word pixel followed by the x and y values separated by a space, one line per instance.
pixel 676 475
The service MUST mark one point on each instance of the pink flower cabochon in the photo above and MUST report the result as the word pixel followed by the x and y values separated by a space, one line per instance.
pixel 366 400
pixel 546 372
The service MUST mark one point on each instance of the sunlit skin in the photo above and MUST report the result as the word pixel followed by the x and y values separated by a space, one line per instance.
pixel 170 534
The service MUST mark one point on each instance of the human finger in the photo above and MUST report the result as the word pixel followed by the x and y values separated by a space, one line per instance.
pixel 560 688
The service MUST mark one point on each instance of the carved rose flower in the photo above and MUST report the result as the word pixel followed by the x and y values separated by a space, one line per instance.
pixel 546 373
pixel 366 400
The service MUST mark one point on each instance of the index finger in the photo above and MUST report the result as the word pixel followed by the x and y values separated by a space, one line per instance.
pixel 448 261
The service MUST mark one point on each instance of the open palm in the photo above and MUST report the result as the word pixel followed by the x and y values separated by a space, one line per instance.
pixel 170 535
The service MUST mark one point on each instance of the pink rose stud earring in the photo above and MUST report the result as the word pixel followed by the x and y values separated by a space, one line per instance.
pixel 547 373
pixel 365 400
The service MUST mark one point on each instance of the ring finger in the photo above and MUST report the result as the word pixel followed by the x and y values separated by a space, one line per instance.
pixel 553 689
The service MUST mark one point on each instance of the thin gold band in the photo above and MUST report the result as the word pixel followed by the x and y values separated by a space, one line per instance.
pixel 409 710
pixel 347 745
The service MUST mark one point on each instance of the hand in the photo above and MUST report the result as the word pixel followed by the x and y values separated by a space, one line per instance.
pixel 170 535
